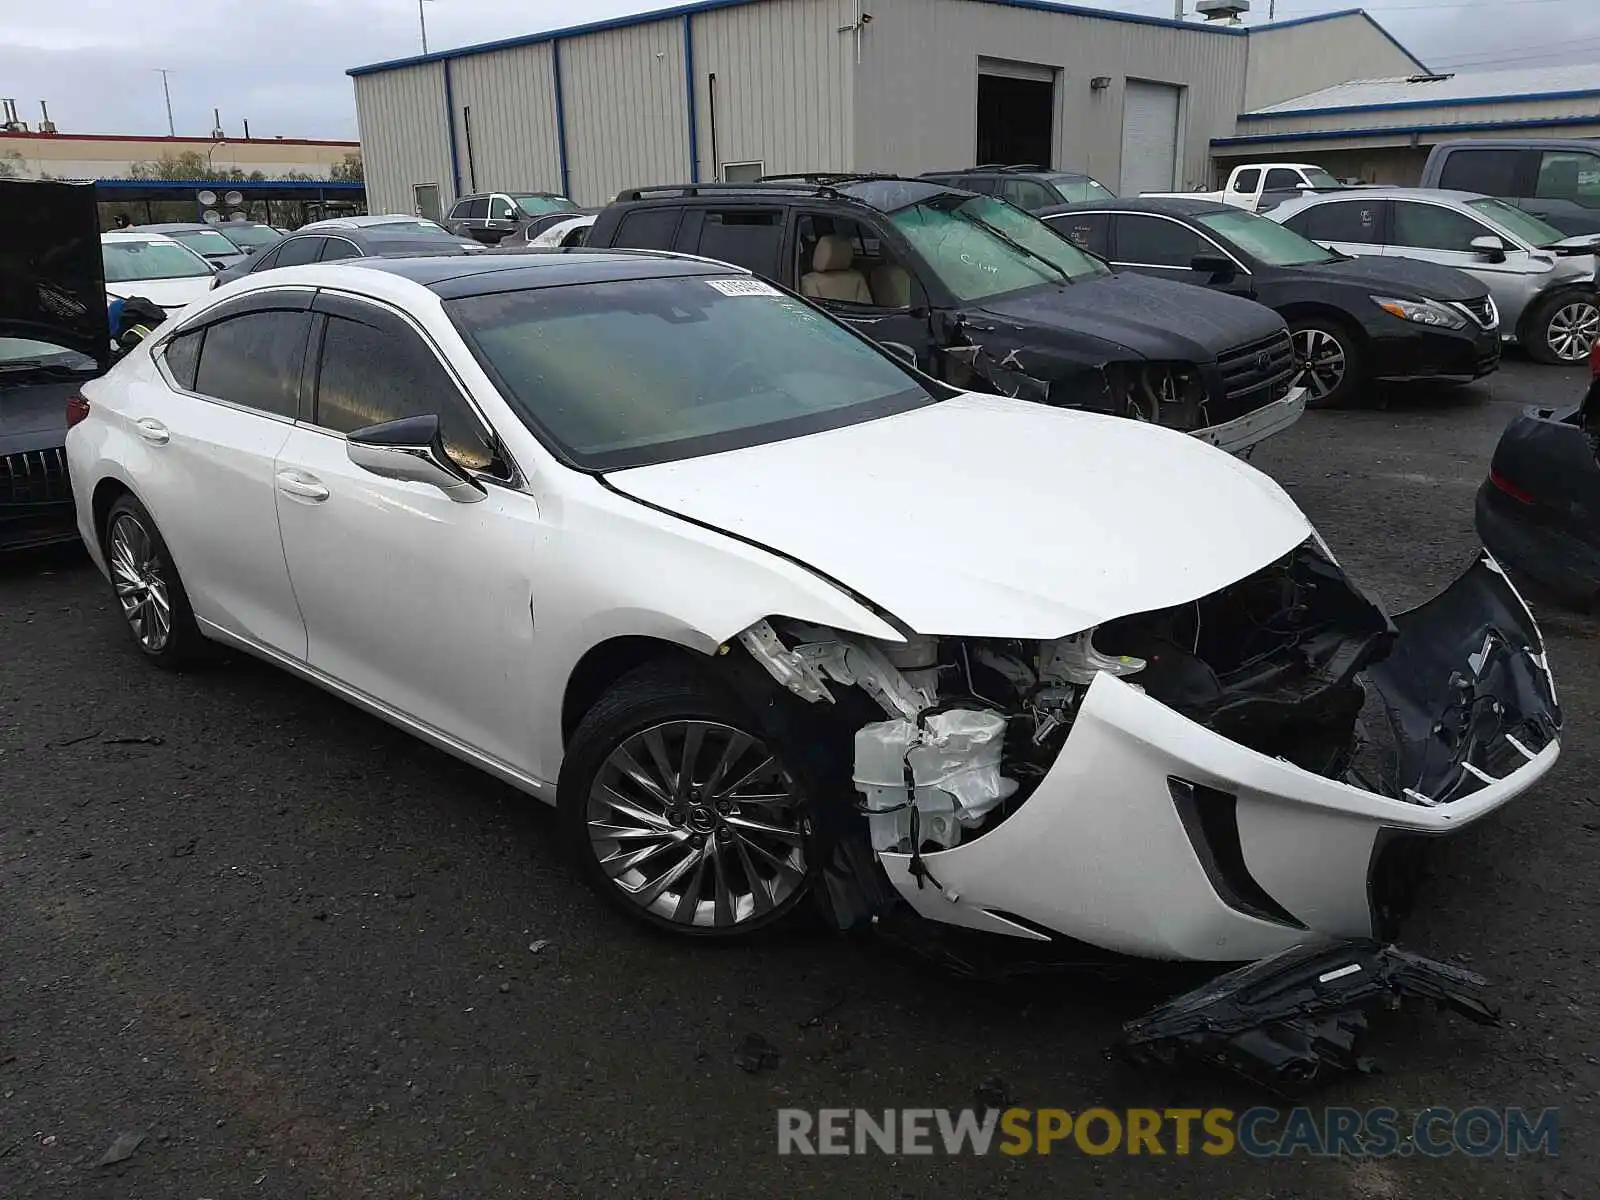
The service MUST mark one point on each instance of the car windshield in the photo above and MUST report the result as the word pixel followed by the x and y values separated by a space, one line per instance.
pixel 1516 222
pixel 251 237
pixel 126 261
pixel 537 206
pixel 979 246
pixel 1274 244
pixel 1079 189
pixel 206 241
pixel 18 354
pixel 1318 178
pixel 628 373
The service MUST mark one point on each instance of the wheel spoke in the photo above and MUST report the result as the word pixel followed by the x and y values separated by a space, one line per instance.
pixel 630 767
pixel 788 837
pixel 617 802
pixel 651 892
pixel 722 904
pixel 686 761
pixel 732 751
pixel 760 889
pixel 784 866
pixel 658 757
pixel 627 860
pixel 767 763
pixel 689 899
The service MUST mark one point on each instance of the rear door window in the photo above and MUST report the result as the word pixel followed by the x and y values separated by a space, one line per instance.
pixel 747 237
pixel 1027 194
pixel 255 360
pixel 182 357
pixel 478 210
pixel 648 229
pixel 1492 172
pixel 1092 231
pixel 1247 181
pixel 339 248
pixel 299 250
pixel 1355 221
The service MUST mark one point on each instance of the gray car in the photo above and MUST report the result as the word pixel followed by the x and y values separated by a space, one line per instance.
pixel 1546 284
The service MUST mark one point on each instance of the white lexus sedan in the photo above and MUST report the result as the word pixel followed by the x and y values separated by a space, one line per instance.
pixel 767 614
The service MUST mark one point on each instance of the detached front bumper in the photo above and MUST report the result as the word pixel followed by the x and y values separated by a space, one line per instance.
pixel 1154 836
pixel 1242 433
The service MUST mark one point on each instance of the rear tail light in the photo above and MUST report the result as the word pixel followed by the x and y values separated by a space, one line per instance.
pixel 1594 361
pixel 77 410
pixel 1509 488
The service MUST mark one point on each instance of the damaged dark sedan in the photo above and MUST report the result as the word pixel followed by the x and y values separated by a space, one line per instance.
pixel 985 296
pixel 1539 509
pixel 54 334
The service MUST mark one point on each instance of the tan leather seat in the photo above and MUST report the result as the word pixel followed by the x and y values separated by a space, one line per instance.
pixel 891 286
pixel 832 277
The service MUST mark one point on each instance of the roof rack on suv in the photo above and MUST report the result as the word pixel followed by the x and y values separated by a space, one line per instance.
pixel 1004 167
pixel 712 189
pixel 823 178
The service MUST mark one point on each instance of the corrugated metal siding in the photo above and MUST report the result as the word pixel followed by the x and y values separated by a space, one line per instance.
pixel 513 100
pixel 626 109
pixel 404 138
pixel 783 92
pixel 1303 58
pixel 916 92
pixel 1417 118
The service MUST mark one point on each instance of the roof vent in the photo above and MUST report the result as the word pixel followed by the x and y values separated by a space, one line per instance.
pixel 46 125
pixel 1223 12
pixel 11 123
pixel 1429 78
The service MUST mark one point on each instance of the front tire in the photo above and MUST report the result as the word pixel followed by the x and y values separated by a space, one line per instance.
pixel 1563 329
pixel 1332 362
pixel 682 812
pixel 149 591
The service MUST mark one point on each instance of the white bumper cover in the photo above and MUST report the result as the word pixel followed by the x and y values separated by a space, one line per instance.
pixel 1244 432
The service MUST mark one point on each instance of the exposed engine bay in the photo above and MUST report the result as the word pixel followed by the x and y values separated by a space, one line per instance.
pixel 1282 662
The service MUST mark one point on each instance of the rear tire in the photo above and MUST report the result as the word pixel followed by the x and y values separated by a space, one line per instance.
pixel 681 809
pixel 149 591
pixel 1562 330
pixel 1333 361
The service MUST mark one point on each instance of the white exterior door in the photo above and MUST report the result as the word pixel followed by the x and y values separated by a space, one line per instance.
pixel 411 598
pixel 1150 114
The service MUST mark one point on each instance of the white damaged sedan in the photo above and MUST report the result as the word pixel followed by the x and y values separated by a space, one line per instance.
pixel 769 615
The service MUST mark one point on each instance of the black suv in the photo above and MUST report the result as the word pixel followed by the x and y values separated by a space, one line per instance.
pixel 985 297
pixel 1028 186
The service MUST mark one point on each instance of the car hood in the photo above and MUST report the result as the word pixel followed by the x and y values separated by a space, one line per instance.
pixel 985 516
pixel 1153 318
pixel 170 294
pixel 51 276
pixel 1410 278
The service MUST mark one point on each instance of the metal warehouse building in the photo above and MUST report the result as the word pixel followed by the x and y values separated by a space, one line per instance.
pixel 1382 129
pixel 731 89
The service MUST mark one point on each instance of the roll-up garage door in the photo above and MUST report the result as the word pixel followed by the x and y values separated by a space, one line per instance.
pixel 1149 137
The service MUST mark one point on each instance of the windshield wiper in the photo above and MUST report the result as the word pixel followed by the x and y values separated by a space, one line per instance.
pixel 37 366
pixel 1010 241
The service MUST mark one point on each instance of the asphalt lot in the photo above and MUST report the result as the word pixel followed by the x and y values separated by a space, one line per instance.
pixel 307 956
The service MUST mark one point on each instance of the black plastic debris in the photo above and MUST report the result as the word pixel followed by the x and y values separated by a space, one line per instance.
pixel 755 1053
pixel 1295 1018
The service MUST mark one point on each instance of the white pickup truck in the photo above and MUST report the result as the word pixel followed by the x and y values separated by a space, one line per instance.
pixel 1262 186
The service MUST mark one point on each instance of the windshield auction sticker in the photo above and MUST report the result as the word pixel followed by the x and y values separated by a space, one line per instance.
pixel 744 287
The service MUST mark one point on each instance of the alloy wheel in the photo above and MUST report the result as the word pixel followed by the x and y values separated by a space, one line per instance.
pixel 1322 362
pixel 137 576
pixel 1573 330
pixel 698 823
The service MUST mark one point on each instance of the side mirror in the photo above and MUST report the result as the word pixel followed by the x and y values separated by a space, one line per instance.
pixel 1220 269
pixel 1490 247
pixel 412 451
pixel 1303 186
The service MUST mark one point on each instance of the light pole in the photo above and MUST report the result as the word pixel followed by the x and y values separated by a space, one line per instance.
pixel 167 92
pixel 422 20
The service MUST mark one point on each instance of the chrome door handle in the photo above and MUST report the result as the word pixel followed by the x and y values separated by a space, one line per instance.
pixel 152 430
pixel 302 486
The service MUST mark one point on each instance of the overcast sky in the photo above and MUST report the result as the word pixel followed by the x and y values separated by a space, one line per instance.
pixel 281 63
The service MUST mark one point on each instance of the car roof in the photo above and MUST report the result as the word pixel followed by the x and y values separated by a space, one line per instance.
pixel 1171 206
pixel 176 227
pixel 1390 193
pixel 480 274
pixel 366 221
pixel 136 235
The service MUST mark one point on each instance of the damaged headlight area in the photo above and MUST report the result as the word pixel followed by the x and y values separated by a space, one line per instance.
pixel 1170 394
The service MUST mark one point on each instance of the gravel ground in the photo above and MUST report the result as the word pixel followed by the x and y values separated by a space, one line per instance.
pixel 304 955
